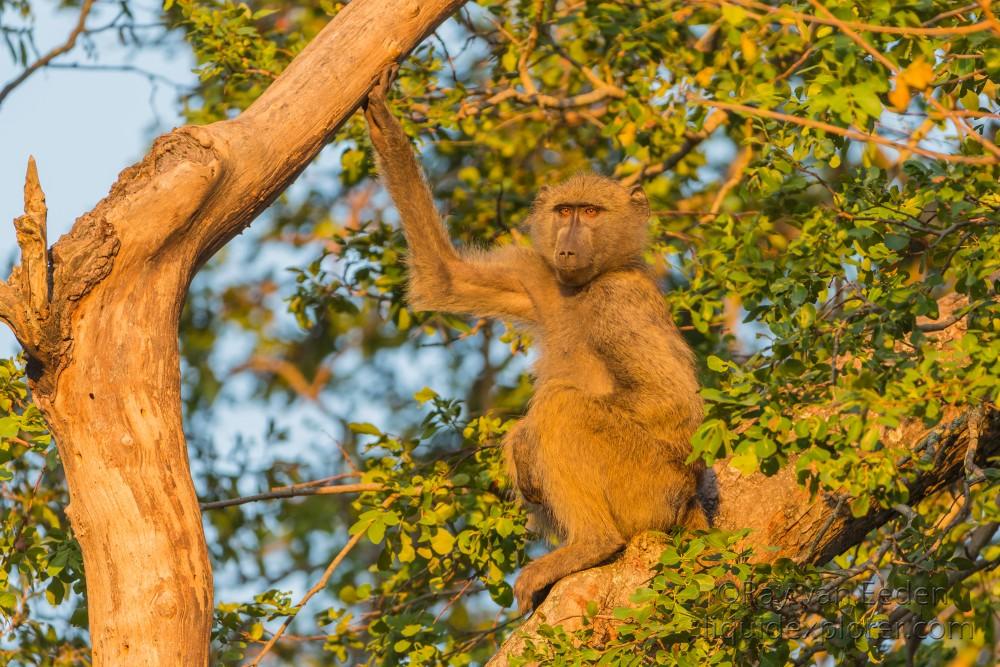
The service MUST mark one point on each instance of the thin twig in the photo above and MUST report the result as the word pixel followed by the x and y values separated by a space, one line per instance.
pixel 595 81
pixel 844 132
pixel 736 170
pixel 691 141
pixel 317 482
pixel 954 319
pixel 863 27
pixel 153 77
pixel 294 493
pixel 948 14
pixel 798 63
pixel 453 600
pixel 317 587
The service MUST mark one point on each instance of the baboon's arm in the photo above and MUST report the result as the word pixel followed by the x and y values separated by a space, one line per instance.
pixel 483 284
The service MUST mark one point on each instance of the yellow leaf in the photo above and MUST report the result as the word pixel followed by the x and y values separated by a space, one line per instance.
pixel 899 97
pixel 627 135
pixel 748 47
pixel 733 14
pixel 704 77
pixel 442 542
pixel 918 74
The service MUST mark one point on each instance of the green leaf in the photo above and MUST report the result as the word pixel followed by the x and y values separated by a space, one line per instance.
pixel 860 506
pixel 364 428
pixel 733 14
pixel 424 395
pixel 376 532
pixel 9 426
pixel 716 364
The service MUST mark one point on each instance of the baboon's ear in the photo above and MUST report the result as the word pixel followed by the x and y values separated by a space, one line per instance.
pixel 638 196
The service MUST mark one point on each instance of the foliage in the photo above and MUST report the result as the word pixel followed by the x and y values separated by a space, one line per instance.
pixel 823 178
pixel 441 531
pixel 40 563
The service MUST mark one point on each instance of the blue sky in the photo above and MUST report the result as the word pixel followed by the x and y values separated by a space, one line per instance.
pixel 83 127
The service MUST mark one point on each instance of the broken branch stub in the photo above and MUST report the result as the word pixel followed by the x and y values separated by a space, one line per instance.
pixel 24 299
pixel 33 240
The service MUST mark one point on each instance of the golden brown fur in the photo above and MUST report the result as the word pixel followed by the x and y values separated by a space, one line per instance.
pixel 601 452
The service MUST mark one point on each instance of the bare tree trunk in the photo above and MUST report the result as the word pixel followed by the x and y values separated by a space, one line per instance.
pixel 98 317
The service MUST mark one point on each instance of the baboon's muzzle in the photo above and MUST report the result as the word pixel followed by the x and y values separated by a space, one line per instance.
pixel 573 257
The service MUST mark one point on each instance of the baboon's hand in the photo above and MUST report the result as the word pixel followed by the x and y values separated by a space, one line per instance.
pixel 383 82
pixel 531 587
pixel 376 110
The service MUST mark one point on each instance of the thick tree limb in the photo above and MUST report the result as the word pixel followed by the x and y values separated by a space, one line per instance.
pixel 102 331
pixel 24 298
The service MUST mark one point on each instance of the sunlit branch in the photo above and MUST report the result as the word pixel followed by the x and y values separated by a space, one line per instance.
pixel 784 11
pixel 691 141
pixel 319 585
pixel 959 123
pixel 844 132
pixel 294 492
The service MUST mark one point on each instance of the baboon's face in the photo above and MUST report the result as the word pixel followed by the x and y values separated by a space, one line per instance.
pixel 589 225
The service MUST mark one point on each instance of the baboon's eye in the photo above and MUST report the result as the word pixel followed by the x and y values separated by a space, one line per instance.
pixel 591 211
pixel 564 211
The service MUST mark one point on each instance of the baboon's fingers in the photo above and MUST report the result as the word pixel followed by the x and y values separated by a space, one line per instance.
pixel 379 91
pixel 531 587
pixel 388 77
pixel 376 115
pixel 384 81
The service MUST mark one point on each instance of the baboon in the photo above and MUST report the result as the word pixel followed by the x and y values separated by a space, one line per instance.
pixel 601 452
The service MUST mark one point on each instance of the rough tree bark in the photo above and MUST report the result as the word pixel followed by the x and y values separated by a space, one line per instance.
pixel 785 522
pixel 98 317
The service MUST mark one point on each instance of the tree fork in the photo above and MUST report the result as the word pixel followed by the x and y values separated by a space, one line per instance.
pixel 98 317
